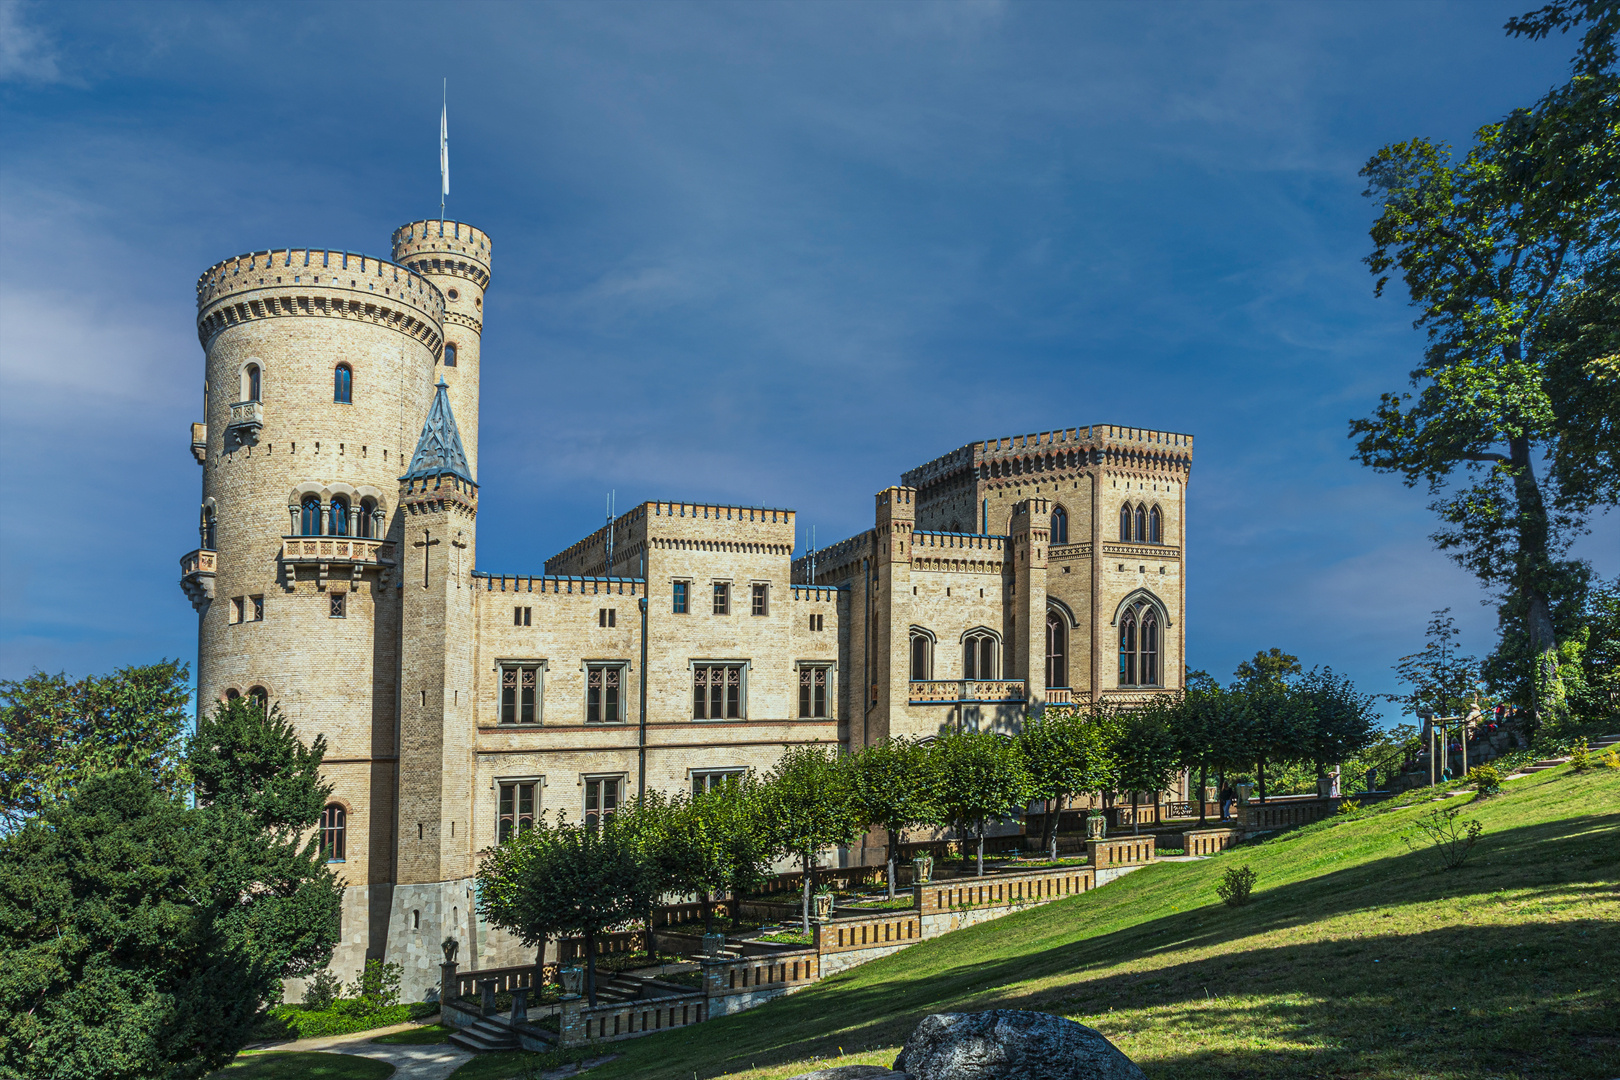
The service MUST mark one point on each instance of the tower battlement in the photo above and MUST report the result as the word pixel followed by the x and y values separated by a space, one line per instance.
pixel 444 247
pixel 318 281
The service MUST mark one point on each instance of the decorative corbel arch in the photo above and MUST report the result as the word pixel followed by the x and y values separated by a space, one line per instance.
pixel 1054 604
pixel 979 631
pixel 1141 594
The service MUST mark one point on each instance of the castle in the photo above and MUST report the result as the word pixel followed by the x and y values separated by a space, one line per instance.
pixel 679 644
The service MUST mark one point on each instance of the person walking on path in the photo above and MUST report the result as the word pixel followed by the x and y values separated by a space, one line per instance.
pixel 1227 795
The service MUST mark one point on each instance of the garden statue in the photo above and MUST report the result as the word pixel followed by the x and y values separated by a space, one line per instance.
pixel 1096 827
pixel 451 946
pixel 821 905
pixel 922 869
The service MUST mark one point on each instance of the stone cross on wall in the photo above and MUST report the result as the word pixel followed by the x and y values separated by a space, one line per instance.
pixel 426 544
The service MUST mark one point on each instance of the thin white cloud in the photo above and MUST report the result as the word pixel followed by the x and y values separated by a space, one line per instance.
pixel 27 53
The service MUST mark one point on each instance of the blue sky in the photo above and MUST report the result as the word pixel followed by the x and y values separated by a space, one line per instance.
pixel 760 253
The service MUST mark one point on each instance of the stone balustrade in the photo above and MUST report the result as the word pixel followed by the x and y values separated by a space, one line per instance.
pixel 1285 812
pixel 197 570
pixel 890 928
pixel 246 419
pixel 777 970
pixel 505 979
pixel 336 549
pixel 1209 841
pixel 582 1024
pixel 1126 851
pixel 969 691
pixel 1035 887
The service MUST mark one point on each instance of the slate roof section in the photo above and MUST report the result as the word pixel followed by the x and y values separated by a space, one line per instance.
pixel 439 451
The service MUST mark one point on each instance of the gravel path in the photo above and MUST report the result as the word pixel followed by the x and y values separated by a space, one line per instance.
pixel 429 1061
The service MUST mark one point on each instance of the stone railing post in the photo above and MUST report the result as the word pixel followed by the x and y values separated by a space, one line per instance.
pixel 520 1005
pixel 449 985
pixel 486 997
pixel 570 1028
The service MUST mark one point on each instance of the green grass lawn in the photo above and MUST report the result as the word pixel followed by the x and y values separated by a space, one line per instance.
pixel 426 1034
pixel 281 1066
pixel 1357 959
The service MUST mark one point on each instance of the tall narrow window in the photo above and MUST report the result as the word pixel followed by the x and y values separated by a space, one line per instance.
pixel 722 598
pixel 339 517
pixel 1060 525
pixel 601 799
pixel 1139 630
pixel 717 692
pixel 339 603
pixel 1125 523
pixel 1155 527
pixel 679 602
pixel 1127 648
pixel 761 591
pixel 368 527
pixel 310 518
pixel 518 805
pixel 813 692
pixel 922 658
pixel 210 531
pixel 1147 654
pixel 343 384
pixel 334 826
pixel 259 696
pixel 1141 524
pixel 1057 652
pixel 602 684
pixel 979 657
pixel 449 354
pixel 520 686
pixel 251 383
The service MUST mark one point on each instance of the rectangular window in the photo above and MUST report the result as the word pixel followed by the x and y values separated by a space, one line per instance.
pixel 722 598
pixel 236 609
pixel 601 798
pixel 520 689
pixel 760 593
pixel 449 354
pixel 521 616
pixel 339 605
pixel 813 692
pixel 680 597
pixel 607 616
pixel 818 622
pixel 602 686
pixel 708 781
pixel 258 608
pixel 520 801
pixel 717 692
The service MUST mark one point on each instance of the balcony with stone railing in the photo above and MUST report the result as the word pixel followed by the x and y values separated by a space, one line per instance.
pixel 247 417
pixel 197 570
pixel 344 550
pixel 966 691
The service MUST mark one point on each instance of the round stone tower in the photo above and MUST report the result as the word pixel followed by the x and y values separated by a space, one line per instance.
pixel 455 257
pixel 320 368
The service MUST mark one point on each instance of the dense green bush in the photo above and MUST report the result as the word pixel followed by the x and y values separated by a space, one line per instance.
pixel 1236 885
pixel 342 1017
pixel 1487 779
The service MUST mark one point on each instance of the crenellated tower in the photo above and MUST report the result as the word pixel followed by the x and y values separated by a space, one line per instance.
pixel 455 257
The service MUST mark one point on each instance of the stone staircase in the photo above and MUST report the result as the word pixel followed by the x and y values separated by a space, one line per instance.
pixel 487 1034
pixel 1593 746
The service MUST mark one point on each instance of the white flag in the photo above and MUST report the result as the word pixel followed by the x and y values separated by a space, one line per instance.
pixel 444 148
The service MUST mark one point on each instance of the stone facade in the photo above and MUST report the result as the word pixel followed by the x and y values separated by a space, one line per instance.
pixel 337 575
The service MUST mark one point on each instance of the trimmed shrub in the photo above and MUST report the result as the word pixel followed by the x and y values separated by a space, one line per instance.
pixel 1487 779
pixel 1611 760
pixel 1580 758
pixel 1349 806
pixel 1236 885
pixel 321 990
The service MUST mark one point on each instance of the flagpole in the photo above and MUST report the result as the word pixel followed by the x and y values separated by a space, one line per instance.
pixel 444 143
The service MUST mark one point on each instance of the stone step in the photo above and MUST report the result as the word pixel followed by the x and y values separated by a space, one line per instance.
pixel 484 1036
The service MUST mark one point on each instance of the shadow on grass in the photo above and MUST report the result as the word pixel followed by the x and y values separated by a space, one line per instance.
pixel 1530 997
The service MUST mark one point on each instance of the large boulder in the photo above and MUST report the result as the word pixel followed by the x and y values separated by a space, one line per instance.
pixel 851 1072
pixel 1007 1044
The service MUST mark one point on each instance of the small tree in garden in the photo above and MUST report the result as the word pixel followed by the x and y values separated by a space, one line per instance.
pixel 1267 726
pixel 1337 723
pixel 978 777
pixel 1066 754
pixel 808 806
pixel 710 843
pixel 1236 885
pixel 505 898
pixel 889 781
pixel 1146 751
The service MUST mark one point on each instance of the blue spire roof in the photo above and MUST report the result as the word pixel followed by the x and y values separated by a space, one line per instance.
pixel 438 451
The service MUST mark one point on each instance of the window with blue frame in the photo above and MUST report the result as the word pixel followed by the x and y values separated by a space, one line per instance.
pixel 343 385
pixel 680 597
pixel 311 515
pixel 340 517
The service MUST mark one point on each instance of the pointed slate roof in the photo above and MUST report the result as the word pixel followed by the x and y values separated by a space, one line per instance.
pixel 438 451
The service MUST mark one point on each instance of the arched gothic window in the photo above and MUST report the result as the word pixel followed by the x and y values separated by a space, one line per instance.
pixel 1060 525
pixel 1125 524
pixel 979 657
pixel 210 530
pixel 340 517
pixel 1155 526
pixel 1139 645
pixel 311 516
pixel 259 696
pixel 251 384
pixel 922 657
pixel 449 354
pixel 334 829
pixel 1141 524
pixel 368 507
pixel 343 384
pixel 1057 650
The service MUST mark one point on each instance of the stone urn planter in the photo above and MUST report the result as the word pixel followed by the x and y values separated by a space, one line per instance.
pixel 714 944
pixel 1096 827
pixel 821 905
pixel 573 980
pixel 922 869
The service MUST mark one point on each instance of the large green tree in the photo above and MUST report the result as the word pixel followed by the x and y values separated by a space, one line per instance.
pixel 889 782
pixel 1508 252
pixel 55 733
pixel 1265 727
pixel 809 807
pixel 709 843
pixel 1067 753
pixel 1444 679
pixel 505 898
pixel 978 778
pixel 1146 751
pixel 143 936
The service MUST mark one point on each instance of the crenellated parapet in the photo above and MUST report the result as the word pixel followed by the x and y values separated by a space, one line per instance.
pixel 318 282
pixel 444 247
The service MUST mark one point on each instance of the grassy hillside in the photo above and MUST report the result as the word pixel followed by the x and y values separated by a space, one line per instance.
pixel 1357 958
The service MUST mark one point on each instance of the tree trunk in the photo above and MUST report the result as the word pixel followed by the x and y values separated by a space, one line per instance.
pixel 1531 566
pixel 893 841
pixel 540 969
pixel 1136 817
pixel 981 848
pixel 807 884
pixel 1262 769
pixel 590 966
pixel 708 913
pixel 1057 813
pixel 1203 786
